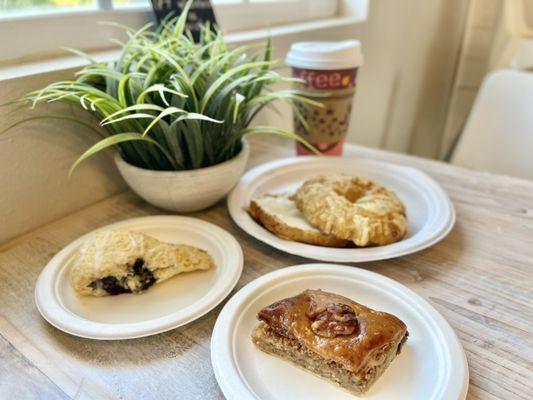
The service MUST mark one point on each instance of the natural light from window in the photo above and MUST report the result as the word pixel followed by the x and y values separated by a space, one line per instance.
pixel 45 6
pixel 71 23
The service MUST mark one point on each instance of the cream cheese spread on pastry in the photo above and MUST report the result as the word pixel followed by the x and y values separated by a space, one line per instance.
pixel 112 262
pixel 279 214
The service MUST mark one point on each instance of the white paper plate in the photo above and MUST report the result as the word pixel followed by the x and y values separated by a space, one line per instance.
pixel 430 212
pixel 431 366
pixel 164 306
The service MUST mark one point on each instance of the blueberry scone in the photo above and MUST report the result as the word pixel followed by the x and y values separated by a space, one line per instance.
pixel 331 336
pixel 112 262
pixel 279 214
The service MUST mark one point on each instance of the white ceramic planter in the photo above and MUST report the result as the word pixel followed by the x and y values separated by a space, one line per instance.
pixel 185 191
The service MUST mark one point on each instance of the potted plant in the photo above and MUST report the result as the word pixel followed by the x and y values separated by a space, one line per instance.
pixel 177 111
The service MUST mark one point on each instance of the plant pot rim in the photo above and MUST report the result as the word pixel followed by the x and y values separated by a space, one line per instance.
pixel 243 153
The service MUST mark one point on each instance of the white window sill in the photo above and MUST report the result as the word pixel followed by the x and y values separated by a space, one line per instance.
pixel 22 70
pixel 286 30
pixel 53 64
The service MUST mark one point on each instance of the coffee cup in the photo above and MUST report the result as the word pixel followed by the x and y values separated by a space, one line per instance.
pixel 328 72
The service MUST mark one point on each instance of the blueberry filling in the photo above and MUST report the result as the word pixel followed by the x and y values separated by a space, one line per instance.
pixel 138 266
pixel 146 277
pixel 114 286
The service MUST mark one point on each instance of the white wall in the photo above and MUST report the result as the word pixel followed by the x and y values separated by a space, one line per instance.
pixel 414 45
pixel 34 162
pixel 474 60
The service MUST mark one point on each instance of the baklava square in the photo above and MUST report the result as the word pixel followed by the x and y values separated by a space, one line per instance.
pixel 332 337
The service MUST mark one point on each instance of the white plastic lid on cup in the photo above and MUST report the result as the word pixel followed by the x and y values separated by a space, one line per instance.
pixel 325 55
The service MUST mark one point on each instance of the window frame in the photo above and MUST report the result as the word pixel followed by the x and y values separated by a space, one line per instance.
pixel 82 29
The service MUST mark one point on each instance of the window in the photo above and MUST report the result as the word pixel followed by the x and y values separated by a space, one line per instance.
pixel 39 28
pixel 15 7
pixel 21 7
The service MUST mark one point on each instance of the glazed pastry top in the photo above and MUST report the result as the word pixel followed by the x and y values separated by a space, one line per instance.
pixel 335 327
pixel 353 208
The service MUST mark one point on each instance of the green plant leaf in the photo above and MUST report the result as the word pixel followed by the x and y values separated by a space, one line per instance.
pixel 163 114
pixel 239 98
pixel 161 89
pixel 129 116
pixel 136 107
pixel 112 141
pixel 197 116
pixel 225 77
pixel 58 117
pixel 180 24
pixel 282 132
pixel 80 54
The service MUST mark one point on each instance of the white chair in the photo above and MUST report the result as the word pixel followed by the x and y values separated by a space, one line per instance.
pixel 498 135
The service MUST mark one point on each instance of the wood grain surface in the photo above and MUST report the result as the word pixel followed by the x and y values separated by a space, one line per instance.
pixel 479 278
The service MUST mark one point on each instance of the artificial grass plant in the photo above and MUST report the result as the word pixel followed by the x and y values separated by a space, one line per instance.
pixel 170 103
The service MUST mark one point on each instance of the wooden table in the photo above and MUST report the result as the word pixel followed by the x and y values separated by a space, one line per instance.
pixel 479 278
